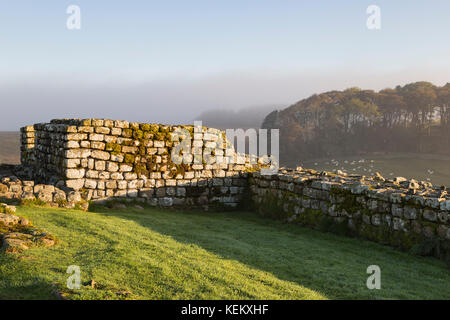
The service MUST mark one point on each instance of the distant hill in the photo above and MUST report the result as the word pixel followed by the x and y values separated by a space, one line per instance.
pixel 251 117
pixel 411 118
pixel 10 147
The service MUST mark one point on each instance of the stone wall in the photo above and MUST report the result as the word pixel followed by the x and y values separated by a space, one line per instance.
pixel 397 212
pixel 104 159
pixel 17 185
pixel 69 162
pixel 18 234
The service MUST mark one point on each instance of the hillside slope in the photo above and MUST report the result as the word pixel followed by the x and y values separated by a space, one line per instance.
pixel 160 254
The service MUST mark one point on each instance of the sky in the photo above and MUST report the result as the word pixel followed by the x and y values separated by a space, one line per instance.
pixel 169 60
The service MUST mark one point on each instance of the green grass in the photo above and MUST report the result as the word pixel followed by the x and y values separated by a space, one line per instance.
pixel 156 254
pixel 431 168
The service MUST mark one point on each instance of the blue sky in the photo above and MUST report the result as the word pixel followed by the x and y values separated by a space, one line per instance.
pixel 281 51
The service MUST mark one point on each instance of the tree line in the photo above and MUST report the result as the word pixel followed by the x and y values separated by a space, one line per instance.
pixel 410 118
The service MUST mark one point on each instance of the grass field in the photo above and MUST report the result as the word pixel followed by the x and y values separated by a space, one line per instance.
pixel 432 168
pixel 155 254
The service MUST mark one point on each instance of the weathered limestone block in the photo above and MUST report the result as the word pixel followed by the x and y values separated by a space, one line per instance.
pixel 359 188
pixel 28 195
pixel 397 197
pixel 9 219
pixel 366 219
pixel 103 175
pixel 85 129
pixel 384 207
pixel 77 153
pixel 76 136
pixel 96 137
pixel 75 184
pixel 430 215
pixel 132 193
pixel 130 176
pixel 387 219
pixel 100 165
pixel 98 145
pixel 445 205
pixel 97 122
pixel 398 224
pixel 397 210
pixel 410 212
pixel 128 149
pixel 122 184
pixel 399 180
pixel 85 144
pixel 90 184
pixel 112 166
pixel 372 205
pixel 146 193
pixel 74 197
pixel 102 130
pixel 171 191
pixel 3 188
pixel 11 244
pixel 434 203
pixel 72 144
pixel 59 196
pixel 116 131
pixel 332 211
pixel 376 219
pixel 125 168
pixel 443 216
pixel 100 155
pixel 45 196
pixel 75 173
pixel 443 232
pixel 71 163
pixel 309 192
pixel 92 174
pixel 117 157
pixel 165 202
pixel 43 187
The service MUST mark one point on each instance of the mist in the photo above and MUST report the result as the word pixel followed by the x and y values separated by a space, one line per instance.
pixel 181 99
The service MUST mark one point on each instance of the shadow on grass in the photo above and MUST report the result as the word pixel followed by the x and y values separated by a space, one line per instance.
pixel 34 288
pixel 332 265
